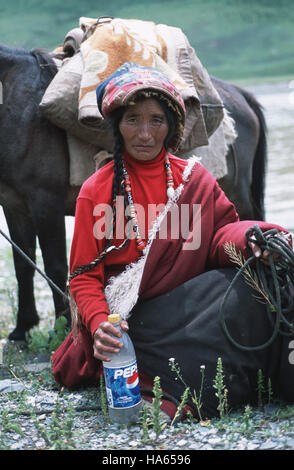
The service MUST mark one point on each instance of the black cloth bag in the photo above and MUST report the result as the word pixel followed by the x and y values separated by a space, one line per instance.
pixel 184 324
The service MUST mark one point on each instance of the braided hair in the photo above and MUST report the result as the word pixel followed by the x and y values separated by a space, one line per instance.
pixel 118 149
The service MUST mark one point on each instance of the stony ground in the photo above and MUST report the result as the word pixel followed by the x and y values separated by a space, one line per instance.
pixel 36 414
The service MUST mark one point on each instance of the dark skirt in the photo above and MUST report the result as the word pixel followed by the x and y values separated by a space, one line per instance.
pixel 185 324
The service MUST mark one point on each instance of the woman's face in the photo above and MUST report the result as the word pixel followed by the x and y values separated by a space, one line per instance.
pixel 144 128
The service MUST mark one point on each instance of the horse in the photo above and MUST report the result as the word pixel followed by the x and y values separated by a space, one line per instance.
pixel 34 173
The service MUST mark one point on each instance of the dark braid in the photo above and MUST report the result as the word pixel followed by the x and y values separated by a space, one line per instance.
pixel 116 186
pixel 117 153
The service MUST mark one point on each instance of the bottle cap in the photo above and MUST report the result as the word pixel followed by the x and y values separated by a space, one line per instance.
pixel 114 317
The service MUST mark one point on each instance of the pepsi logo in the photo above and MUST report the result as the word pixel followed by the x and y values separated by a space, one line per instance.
pixel 133 381
pixel 126 372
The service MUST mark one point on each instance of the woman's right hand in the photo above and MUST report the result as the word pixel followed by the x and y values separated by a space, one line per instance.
pixel 104 341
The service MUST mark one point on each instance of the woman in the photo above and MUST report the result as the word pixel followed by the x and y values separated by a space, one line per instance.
pixel 149 240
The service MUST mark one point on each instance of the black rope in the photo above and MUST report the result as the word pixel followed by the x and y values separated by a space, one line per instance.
pixel 276 280
pixel 30 261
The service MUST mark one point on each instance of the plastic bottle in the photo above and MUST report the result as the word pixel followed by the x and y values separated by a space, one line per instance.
pixel 122 381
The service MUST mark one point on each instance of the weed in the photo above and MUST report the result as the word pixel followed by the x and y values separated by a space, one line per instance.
pixel 247 427
pixel 103 399
pixel 198 400
pixel 145 422
pixel 8 425
pixel 176 368
pixel 59 434
pixel 269 391
pixel 182 404
pixel 157 423
pixel 58 335
pixel 221 390
pixel 48 340
pixel 260 388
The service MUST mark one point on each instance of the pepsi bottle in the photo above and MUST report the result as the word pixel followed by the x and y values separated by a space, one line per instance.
pixel 122 380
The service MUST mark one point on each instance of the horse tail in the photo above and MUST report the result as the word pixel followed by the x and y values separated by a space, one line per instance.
pixel 260 158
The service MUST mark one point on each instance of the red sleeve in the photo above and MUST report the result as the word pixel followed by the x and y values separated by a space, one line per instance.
pixel 228 228
pixel 88 288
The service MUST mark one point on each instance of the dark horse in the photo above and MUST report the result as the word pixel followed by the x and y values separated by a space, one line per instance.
pixel 34 172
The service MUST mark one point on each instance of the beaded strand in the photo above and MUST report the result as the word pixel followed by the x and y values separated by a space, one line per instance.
pixel 132 211
pixel 169 178
pixel 131 207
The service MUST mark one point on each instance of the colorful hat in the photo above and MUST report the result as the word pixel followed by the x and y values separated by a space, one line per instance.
pixel 120 87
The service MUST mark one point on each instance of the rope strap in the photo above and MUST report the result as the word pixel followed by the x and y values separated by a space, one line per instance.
pixel 277 281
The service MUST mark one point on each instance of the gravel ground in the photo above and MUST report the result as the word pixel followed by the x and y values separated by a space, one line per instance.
pixel 38 415
pixel 35 414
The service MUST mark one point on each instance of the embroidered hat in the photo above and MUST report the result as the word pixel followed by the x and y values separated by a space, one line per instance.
pixel 120 88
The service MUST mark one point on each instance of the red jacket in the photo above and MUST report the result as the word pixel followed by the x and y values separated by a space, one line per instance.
pixel 167 264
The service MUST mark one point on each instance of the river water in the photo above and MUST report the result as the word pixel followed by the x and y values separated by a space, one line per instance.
pixel 278 103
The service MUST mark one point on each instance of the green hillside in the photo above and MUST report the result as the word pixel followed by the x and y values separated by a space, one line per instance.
pixel 234 39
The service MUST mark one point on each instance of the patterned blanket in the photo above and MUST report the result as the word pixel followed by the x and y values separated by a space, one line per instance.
pixel 70 100
pixel 166 48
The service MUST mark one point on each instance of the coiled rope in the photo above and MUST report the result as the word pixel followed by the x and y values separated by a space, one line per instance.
pixel 276 280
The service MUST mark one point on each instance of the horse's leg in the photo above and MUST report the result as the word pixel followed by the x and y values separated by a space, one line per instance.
pixel 48 215
pixel 22 232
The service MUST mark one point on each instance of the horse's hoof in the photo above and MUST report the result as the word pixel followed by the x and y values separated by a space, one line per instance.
pixel 18 334
pixel 21 333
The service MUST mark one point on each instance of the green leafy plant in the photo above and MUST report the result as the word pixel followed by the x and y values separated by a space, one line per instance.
pixel 247 425
pixel 48 341
pixel 59 433
pixel 260 388
pixel 196 399
pixel 221 390
pixel 38 341
pixel 182 404
pixel 58 335
pixel 145 422
pixel 156 420
pixel 103 400
pixel 269 391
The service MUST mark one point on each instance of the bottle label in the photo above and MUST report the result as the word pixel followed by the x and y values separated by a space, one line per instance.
pixel 122 386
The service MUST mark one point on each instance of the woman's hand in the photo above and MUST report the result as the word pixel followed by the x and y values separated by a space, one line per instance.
pixel 262 255
pixel 104 341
